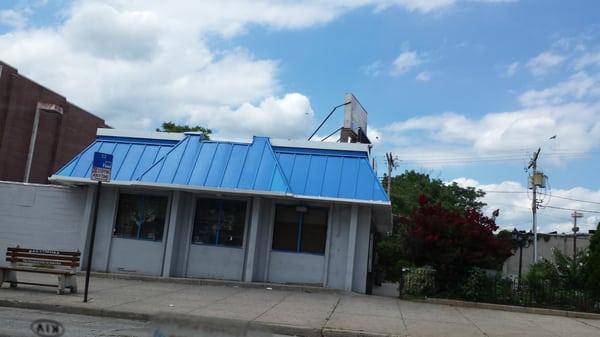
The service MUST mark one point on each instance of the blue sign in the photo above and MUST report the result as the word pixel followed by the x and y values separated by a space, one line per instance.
pixel 103 160
pixel 102 166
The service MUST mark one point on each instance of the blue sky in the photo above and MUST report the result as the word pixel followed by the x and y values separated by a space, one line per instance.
pixel 463 90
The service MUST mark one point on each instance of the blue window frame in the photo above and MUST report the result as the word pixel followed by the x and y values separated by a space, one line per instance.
pixel 141 217
pixel 300 229
pixel 219 222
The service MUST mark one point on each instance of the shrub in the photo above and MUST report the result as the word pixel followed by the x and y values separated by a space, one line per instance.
pixel 418 282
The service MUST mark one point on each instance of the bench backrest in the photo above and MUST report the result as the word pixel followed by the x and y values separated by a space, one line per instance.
pixel 42 258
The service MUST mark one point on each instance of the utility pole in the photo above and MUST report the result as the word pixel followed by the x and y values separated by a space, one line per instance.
pixel 575 215
pixel 391 165
pixel 534 203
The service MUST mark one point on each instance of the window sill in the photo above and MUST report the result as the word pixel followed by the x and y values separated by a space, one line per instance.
pixel 213 245
pixel 295 252
pixel 136 239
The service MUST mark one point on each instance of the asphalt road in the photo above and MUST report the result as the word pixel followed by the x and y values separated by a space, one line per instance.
pixel 16 323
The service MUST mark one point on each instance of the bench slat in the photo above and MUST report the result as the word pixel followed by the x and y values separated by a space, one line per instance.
pixel 42 251
pixel 42 261
pixel 43 257
pixel 41 270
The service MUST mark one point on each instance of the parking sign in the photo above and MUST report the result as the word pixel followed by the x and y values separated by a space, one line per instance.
pixel 101 167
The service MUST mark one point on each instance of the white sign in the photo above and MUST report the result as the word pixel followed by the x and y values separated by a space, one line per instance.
pixel 355 116
pixel 102 167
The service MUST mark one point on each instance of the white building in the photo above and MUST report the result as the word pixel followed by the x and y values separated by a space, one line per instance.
pixel 264 211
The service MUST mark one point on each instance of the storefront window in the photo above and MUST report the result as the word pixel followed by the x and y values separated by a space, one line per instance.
pixel 300 229
pixel 141 217
pixel 219 222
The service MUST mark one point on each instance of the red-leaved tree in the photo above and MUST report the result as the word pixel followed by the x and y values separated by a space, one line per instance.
pixel 452 242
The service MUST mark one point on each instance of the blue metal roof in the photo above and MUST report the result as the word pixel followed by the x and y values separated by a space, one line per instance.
pixel 256 166
pixel 197 162
pixel 330 173
pixel 131 157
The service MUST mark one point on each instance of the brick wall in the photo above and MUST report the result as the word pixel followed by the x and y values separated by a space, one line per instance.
pixel 59 138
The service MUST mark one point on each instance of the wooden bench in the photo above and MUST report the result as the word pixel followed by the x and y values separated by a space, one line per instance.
pixel 52 262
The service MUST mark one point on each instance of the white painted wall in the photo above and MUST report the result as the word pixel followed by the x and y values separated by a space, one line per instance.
pixel 215 262
pixel 546 246
pixel 136 256
pixel 41 216
pixel 338 250
pixel 361 254
pixel 58 217
pixel 287 267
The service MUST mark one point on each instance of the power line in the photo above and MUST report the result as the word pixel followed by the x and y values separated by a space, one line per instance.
pixel 547 194
pixel 572 199
pixel 490 191
pixel 571 209
pixel 429 159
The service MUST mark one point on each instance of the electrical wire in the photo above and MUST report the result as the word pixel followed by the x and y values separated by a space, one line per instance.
pixel 571 209
pixel 572 199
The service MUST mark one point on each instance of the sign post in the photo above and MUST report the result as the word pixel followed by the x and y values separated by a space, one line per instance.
pixel 101 170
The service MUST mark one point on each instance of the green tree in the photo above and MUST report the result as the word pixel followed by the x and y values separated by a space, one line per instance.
pixel 407 187
pixel 172 127
pixel 592 263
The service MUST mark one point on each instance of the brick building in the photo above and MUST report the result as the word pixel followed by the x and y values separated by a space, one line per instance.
pixel 63 129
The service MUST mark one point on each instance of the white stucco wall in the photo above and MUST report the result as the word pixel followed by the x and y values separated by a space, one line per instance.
pixel 41 216
pixel 546 246
pixel 58 217
pixel 215 262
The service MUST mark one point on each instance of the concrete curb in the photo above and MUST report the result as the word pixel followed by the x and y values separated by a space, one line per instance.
pixel 66 309
pixel 511 308
pixel 328 332
pixel 274 328
pixel 213 282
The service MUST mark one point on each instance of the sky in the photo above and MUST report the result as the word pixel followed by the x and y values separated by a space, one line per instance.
pixel 465 90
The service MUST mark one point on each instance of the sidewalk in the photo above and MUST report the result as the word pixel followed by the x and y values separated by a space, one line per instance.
pixel 293 312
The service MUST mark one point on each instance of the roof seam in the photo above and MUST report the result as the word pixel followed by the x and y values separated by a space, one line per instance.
pixel 310 157
pixel 212 160
pixel 237 183
pixel 137 163
pixel 226 164
pixel 288 186
pixel 262 158
pixel 123 162
pixel 179 161
pixel 189 178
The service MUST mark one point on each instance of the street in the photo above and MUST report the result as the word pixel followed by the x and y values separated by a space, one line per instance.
pixel 282 311
pixel 16 323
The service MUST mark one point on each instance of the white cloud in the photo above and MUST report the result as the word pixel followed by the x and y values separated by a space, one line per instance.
pixel 12 18
pixel 588 59
pixel 286 117
pixel 423 76
pixel 405 62
pixel 137 63
pixel 511 69
pixel 374 69
pixel 454 139
pixel 543 62
pixel 374 134
pixel 515 208
pixel 579 86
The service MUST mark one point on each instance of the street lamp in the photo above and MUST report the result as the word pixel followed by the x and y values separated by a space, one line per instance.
pixel 46 107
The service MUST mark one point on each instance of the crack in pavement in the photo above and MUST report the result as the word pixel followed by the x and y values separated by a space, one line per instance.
pixel 271 307
pixel 470 321
pixel 402 317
